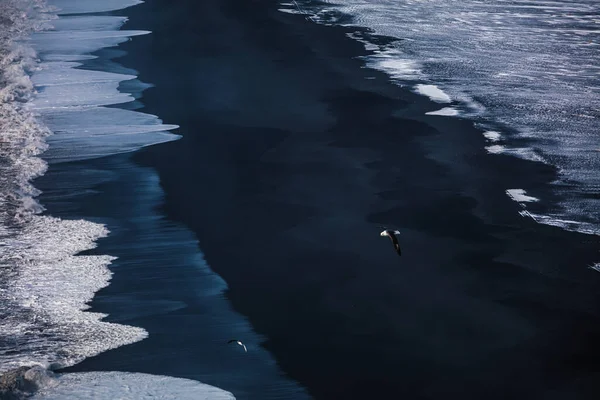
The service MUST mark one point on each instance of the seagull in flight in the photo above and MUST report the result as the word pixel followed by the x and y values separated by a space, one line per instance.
pixel 392 235
pixel 238 342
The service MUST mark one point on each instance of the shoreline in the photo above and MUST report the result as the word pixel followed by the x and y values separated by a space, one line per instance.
pixel 158 279
pixel 346 155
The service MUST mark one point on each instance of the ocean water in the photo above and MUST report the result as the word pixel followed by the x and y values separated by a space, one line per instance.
pixel 524 71
pixel 54 112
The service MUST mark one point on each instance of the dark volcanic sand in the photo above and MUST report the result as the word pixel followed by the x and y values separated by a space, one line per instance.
pixel 291 158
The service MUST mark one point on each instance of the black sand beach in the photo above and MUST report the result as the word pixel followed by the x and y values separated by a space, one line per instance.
pixel 291 159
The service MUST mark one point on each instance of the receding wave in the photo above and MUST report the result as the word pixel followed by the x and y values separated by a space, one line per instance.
pixel 51 105
pixel 41 384
pixel 125 386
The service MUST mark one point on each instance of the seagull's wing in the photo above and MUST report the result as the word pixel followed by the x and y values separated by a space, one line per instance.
pixel 245 349
pixel 396 232
pixel 232 341
pixel 396 244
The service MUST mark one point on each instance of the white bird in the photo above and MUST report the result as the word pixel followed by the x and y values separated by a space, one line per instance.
pixel 392 235
pixel 240 343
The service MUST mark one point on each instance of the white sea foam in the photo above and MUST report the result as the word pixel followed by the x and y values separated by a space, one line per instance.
pixel 433 92
pixel 100 131
pixel 70 97
pixel 519 195
pixel 21 136
pixel 79 41
pixel 128 386
pixel 63 73
pixel 492 136
pixel 495 149
pixel 569 225
pixel 85 23
pixel 289 10
pixel 395 64
pixel 91 6
pixel 521 152
pixel 43 307
pixel 445 112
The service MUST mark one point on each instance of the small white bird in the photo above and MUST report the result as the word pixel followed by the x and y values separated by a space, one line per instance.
pixel 238 342
pixel 392 235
